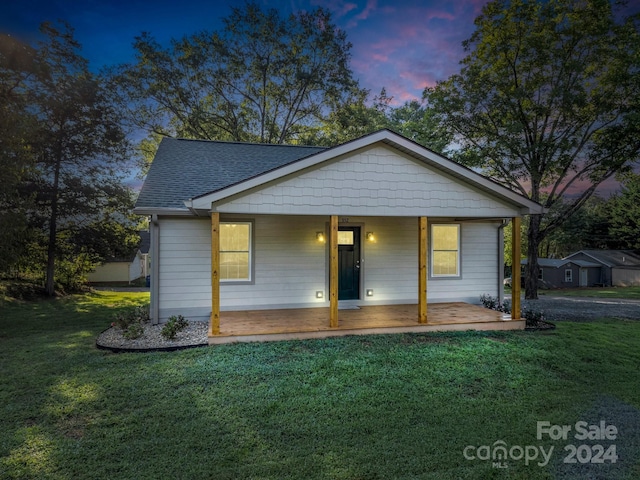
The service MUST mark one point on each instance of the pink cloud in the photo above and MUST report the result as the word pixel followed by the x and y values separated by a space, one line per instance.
pixel 372 5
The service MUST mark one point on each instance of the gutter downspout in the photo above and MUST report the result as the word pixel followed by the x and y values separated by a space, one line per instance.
pixel 155 273
pixel 501 259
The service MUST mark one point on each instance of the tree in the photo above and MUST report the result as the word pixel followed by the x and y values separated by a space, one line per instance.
pixel 625 214
pixel 79 144
pixel 262 78
pixel 411 119
pixel 587 228
pixel 17 66
pixel 546 102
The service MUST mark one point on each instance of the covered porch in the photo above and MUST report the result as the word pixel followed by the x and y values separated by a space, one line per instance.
pixel 304 323
pixel 296 323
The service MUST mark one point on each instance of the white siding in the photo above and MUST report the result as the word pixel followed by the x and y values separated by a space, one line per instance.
pixel 110 272
pixel 184 266
pixel 290 264
pixel 379 180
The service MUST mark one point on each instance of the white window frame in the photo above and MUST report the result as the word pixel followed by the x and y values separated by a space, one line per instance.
pixel 241 281
pixel 458 273
pixel 570 276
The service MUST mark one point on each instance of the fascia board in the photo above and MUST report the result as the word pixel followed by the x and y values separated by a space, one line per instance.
pixel 162 211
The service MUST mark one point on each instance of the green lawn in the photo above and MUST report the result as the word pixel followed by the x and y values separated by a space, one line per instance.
pixel 632 293
pixel 370 407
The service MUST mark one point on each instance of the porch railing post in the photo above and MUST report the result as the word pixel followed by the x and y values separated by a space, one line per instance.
pixel 214 323
pixel 422 270
pixel 333 271
pixel 515 268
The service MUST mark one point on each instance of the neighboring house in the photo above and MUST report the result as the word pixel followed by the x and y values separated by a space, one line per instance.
pixel 379 220
pixel 567 273
pixel 620 268
pixel 124 269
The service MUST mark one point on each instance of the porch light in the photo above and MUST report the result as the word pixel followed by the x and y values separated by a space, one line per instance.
pixel 370 236
pixel 320 236
pixel 319 294
pixel 370 292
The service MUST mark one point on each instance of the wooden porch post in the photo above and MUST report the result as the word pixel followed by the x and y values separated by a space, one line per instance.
pixel 214 324
pixel 333 271
pixel 422 270
pixel 515 268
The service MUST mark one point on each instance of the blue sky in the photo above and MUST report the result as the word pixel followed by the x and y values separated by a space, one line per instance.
pixel 403 45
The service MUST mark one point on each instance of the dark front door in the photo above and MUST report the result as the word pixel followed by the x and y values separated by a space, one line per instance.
pixel 348 263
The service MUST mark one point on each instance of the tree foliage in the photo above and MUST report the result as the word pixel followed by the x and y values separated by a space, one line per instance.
pixel 71 134
pixel 546 103
pixel 262 78
pixel 17 66
pixel 412 119
pixel 624 212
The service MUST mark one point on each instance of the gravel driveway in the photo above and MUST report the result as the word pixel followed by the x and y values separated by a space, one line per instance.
pixel 584 309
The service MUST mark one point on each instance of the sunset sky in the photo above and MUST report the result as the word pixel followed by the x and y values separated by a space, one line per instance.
pixel 403 45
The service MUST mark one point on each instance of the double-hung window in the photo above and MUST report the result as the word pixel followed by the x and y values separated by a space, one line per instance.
pixel 235 251
pixel 445 250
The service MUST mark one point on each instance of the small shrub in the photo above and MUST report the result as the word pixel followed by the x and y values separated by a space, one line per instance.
pixel 494 304
pixel 132 321
pixel 173 326
pixel 532 318
pixel 134 331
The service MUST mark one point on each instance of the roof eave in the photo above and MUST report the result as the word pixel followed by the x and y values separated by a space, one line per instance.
pixel 162 211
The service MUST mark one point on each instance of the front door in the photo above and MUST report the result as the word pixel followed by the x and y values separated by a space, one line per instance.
pixel 348 263
pixel 584 277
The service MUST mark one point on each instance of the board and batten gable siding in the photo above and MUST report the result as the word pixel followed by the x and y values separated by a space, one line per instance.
pixel 378 180
pixel 291 265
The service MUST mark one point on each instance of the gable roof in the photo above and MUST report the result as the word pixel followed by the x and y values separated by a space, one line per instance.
pixel 559 262
pixel 183 169
pixel 188 175
pixel 612 258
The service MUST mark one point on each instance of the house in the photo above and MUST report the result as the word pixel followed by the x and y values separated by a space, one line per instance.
pixel 377 221
pixel 127 268
pixel 567 273
pixel 619 268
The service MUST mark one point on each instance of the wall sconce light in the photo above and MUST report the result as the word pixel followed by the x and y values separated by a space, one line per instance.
pixel 370 292
pixel 319 294
pixel 320 236
pixel 370 236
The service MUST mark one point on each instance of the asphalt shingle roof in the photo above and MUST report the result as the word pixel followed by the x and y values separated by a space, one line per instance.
pixel 184 169
pixel 616 258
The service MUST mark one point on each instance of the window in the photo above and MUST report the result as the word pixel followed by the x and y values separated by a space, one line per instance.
pixel 235 251
pixel 445 250
pixel 568 275
pixel 345 237
pixel 540 275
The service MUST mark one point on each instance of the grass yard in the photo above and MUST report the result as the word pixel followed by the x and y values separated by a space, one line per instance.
pixel 370 407
pixel 631 293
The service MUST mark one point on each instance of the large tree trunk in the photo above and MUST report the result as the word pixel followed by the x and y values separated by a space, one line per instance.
pixel 531 272
pixel 53 226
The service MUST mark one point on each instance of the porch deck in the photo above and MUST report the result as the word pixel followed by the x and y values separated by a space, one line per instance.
pixel 268 325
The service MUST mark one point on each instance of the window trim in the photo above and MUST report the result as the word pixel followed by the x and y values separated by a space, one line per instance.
pixel 251 279
pixel 458 274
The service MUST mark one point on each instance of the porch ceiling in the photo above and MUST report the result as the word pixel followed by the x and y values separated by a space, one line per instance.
pixel 265 325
